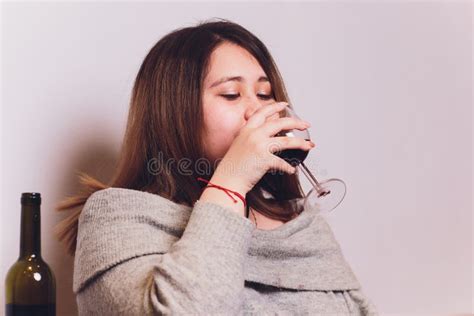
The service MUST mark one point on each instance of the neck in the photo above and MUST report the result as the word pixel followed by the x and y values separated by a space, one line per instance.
pixel 262 222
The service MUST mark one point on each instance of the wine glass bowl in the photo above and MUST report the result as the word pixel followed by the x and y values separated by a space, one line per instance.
pixel 293 156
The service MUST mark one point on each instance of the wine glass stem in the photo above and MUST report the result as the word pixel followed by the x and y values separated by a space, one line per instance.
pixel 310 178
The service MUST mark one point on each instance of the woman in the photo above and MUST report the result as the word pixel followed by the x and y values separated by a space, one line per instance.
pixel 172 233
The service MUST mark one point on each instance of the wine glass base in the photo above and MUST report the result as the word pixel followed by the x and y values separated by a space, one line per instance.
pixel 323 193
pixel 328 197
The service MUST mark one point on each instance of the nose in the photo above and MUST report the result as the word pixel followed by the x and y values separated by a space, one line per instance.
pixel 252 107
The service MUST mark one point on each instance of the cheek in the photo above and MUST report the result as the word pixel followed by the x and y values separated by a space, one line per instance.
pixel 222 126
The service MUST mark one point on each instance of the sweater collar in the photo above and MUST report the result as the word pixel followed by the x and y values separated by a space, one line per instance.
pixel 301 254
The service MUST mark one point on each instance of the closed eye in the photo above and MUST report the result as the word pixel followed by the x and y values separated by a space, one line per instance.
pixel 235 96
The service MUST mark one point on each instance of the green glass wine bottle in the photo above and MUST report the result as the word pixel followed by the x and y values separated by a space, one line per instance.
pixel 30 285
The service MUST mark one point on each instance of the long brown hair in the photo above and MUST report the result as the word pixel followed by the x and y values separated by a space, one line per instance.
pixel 165 121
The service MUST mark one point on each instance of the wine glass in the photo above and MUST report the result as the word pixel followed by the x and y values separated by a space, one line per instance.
pixel 325 195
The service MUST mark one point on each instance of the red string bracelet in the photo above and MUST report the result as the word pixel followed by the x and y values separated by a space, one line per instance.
pixel 212 185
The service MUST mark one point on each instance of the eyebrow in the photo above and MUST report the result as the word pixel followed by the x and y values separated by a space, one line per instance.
pixel 238 79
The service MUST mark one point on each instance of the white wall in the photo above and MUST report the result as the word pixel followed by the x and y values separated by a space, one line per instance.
pixel 386 86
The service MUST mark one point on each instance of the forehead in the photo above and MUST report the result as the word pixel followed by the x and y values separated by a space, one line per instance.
pixel 232 60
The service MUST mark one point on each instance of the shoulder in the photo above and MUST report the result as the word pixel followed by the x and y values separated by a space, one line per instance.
pixel 121 201
pixel 119 210
pixel 118 196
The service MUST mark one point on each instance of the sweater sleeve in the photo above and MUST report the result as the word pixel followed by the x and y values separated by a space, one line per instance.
pixel 201 273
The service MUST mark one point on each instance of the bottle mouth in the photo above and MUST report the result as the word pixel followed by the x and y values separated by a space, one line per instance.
pixel 31 198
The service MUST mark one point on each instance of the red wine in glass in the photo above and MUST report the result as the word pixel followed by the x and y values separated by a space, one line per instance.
pixel 293 156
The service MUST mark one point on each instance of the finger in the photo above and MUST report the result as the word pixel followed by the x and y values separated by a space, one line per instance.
pixel 278 163
pixel 273 127
pixel 260 116
pixel 284 142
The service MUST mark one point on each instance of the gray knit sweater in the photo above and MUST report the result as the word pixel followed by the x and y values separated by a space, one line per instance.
pixel 141 254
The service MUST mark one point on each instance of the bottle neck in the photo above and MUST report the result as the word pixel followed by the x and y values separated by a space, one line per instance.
pixel 30 236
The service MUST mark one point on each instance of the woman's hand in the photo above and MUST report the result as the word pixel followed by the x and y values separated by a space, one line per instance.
pixel 250 155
